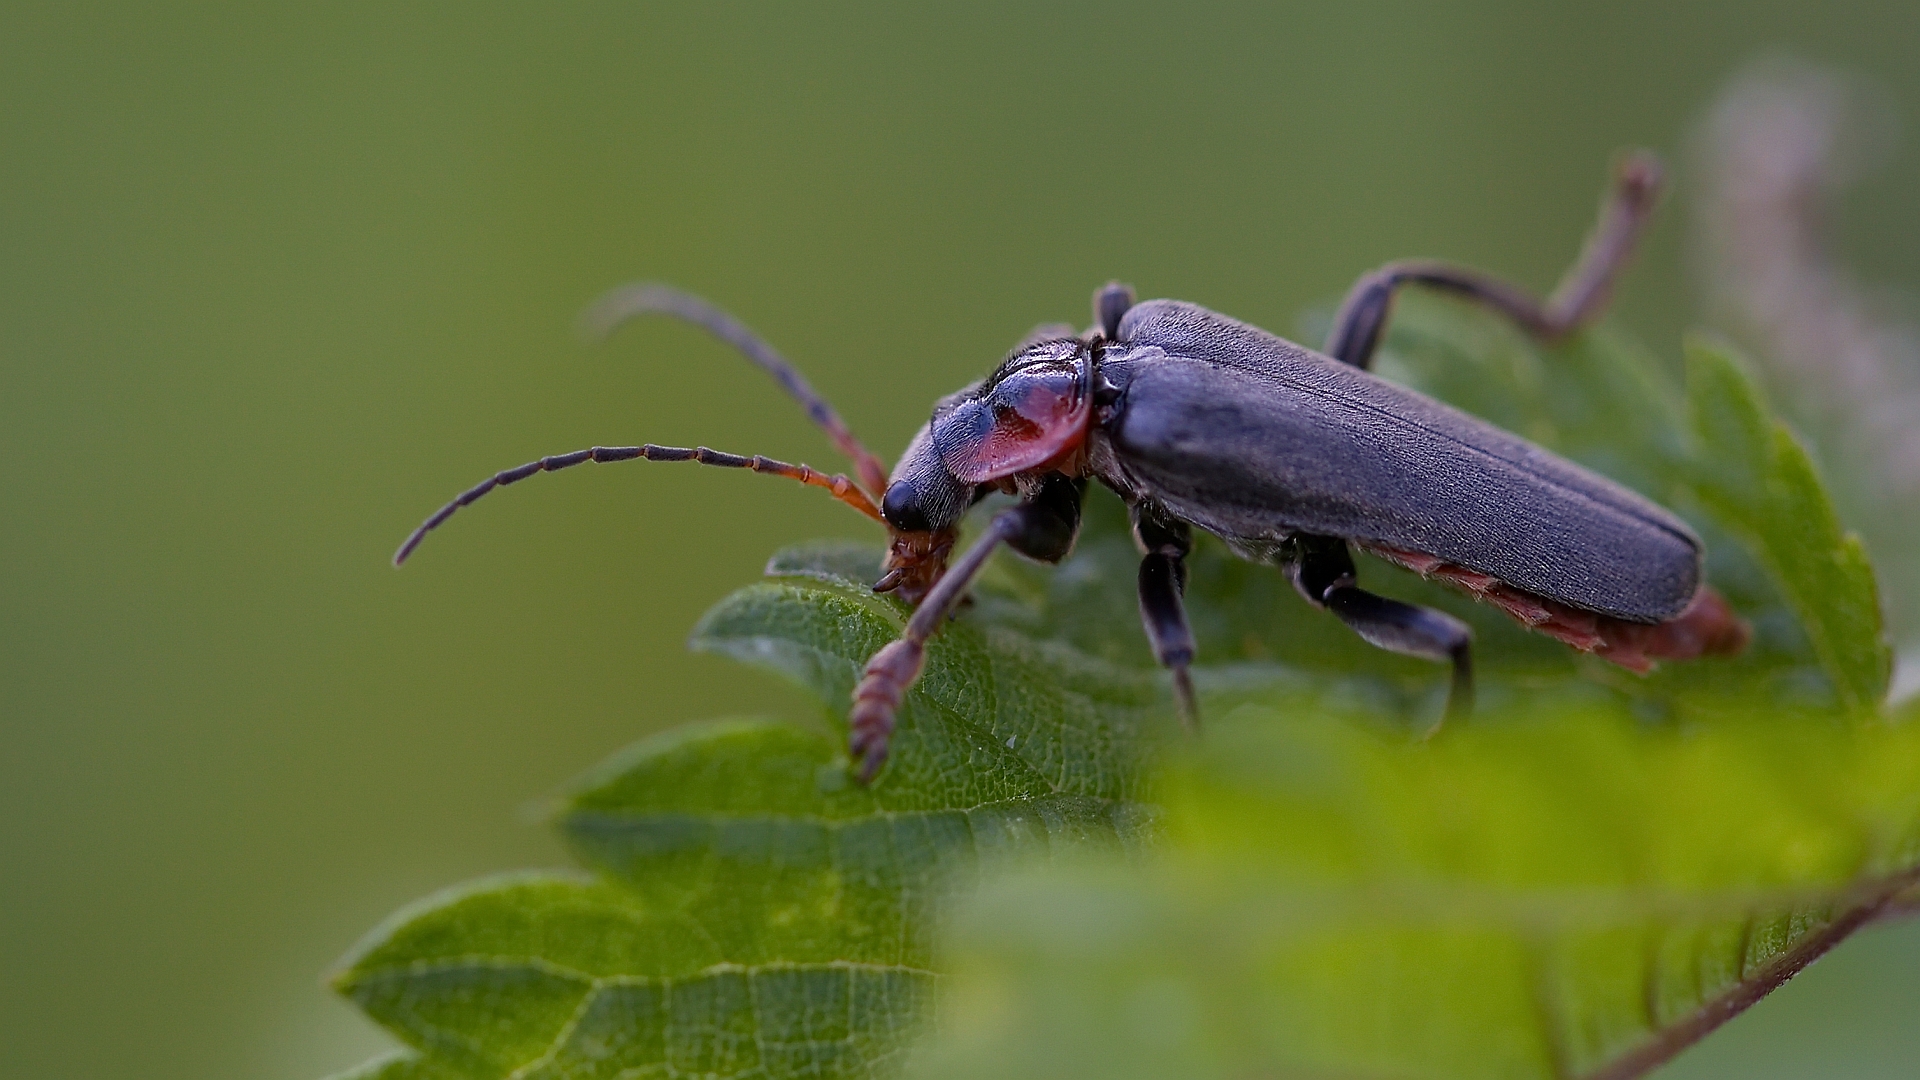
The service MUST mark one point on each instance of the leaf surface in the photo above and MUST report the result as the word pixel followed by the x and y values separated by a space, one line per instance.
pixel 1758 479
pixel 758 915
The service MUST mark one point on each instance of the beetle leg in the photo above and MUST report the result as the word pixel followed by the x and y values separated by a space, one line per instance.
pixel 892 670
pixel 1414 631
pixel 1323 572
pixel 1580 297
pixel 1109 304
pixel 1053 522
pixel 1163 579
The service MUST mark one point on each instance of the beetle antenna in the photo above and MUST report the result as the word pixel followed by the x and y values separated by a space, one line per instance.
pixel 839 486
pixel 651 298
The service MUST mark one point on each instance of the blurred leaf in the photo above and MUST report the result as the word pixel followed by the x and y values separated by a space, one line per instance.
pixel 401 1065
pixel 1340 897
pixel 1514 900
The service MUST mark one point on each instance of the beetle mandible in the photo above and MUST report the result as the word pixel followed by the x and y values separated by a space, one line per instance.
pixel 1290 456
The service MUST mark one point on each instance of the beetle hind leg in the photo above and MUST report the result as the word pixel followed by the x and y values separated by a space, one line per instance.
pixel 1411 630
pixel 1579 299
pixel 1323 572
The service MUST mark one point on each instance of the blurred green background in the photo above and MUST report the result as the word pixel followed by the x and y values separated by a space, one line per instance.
pixel 279 279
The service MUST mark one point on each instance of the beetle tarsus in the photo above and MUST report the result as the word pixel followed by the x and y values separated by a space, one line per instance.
pixel 1460 694
pixel 1583 292
pixel 883 686
pixel 1411 630
pixel 1185 701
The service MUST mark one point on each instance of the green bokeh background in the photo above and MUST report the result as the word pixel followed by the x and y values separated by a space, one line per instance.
pixel 277 279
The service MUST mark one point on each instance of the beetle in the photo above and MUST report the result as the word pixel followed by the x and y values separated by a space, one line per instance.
pixel 1291 457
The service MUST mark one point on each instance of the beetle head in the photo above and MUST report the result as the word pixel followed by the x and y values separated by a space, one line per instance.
pixel 922 507
pixel 1030 413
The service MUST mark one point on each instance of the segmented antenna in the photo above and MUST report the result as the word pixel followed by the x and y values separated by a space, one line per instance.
pixel 650 298
pixel 838 485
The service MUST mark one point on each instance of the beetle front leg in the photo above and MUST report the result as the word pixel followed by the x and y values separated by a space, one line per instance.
pixel 1323 572
pixel 1163 579
pixel 1582 294
pixel 1029 526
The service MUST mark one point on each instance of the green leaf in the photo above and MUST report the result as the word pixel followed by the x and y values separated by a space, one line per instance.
pixel 1775 547
pixel 1758 479
pixel 752 831
pixel 750 912
pixel 553 976
pixel 760 915
pixel 1516 899
pixel 998 713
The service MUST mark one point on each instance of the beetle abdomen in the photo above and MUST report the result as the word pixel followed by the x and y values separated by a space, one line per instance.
pixel 1254 438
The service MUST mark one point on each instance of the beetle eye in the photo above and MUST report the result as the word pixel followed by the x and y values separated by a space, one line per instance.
pixel 923 496
pixel 1030 416
pixel 903 510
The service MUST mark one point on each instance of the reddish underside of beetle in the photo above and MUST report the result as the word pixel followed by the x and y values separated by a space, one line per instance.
pixel 1708 627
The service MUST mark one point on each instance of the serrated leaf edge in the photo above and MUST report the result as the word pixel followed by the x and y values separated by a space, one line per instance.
pixel 1669 1041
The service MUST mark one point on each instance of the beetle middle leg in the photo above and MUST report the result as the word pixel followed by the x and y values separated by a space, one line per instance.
pixel 1163 580
pixel 1323 571
pixel 1580 297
